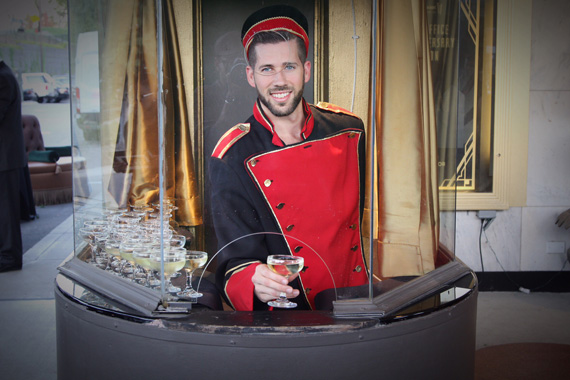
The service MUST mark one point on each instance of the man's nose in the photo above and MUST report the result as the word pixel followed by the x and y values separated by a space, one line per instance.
pixel 279 76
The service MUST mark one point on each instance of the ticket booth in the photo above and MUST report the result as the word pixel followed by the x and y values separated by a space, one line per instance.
pixel 156 84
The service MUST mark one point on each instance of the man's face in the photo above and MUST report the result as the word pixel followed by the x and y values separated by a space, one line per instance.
pixel 279 77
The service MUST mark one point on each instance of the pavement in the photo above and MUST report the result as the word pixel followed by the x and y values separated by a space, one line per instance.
pixel 27 306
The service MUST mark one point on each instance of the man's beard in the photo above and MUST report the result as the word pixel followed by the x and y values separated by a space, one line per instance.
pixel 276 110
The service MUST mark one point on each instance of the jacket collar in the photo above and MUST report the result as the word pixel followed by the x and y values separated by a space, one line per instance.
pixel 306 130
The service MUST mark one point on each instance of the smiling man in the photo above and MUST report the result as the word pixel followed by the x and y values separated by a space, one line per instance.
pixel 289 180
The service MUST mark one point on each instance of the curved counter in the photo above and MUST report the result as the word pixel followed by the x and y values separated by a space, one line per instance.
pixel 427 340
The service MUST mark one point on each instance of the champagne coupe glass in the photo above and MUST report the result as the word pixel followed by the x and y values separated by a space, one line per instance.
pixel 112 214
pixel 173 262
pixel 88 234
pixel 112 248
pixel 168 207
pixel 95 225
pixel 194 260
pixel 177 241
pixel 286 266
pixel 131 219
pixel 102 258
pixel 138 212
pixel 126 250
pixel 175 250
pixel 154 232
pixel 99 222
pixel 144 209
pixel 143 256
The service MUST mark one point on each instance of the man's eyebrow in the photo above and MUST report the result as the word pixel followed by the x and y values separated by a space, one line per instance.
pixel 283 64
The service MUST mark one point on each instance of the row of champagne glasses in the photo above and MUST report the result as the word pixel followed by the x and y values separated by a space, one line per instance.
pixel 136 243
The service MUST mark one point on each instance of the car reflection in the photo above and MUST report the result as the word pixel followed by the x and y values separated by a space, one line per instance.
pixel 62 86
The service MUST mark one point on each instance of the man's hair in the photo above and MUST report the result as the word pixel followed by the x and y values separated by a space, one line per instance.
pixel 275 37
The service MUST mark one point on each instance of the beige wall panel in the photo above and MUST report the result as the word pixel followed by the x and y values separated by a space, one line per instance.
pixel 341 54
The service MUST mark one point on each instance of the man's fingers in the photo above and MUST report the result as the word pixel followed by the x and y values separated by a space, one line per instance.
pixel 269 285
pixel 268 273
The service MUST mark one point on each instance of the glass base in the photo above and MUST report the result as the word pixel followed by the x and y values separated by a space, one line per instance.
pixel 283 303
pixel 172 289
pixel 189 294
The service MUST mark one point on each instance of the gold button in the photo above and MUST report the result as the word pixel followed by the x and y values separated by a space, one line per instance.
pixel 308 290
pixel 280 206
pixel 351 135
pixel 290 227
pixel 298 248
pixel 358 269
pixel 267 182
pixel 253 162
pixel 353 226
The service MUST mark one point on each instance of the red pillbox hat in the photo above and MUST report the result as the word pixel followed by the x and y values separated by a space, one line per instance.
pixel 275 18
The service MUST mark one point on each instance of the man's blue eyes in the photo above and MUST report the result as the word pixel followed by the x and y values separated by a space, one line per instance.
pixel 268 70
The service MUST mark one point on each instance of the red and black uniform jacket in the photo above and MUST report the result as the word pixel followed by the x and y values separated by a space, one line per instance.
pixel 304 199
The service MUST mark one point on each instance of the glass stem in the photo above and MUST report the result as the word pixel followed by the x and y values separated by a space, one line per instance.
pixel 93 253
pixel 189 280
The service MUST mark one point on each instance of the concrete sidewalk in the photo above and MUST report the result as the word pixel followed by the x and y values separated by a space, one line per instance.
pixel 27 308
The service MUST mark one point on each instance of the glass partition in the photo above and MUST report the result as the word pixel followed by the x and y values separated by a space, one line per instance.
pixel 126 226
pixel 157 87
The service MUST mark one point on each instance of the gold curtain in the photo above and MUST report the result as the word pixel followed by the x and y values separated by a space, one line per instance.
pixel 406 189
pixel 130 110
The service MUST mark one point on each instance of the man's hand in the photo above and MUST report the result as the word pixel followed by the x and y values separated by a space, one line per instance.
pixel 564 219
pixel 269 285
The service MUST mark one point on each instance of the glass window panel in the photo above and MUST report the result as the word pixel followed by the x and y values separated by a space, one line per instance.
pixel 467 64
pixel 124 217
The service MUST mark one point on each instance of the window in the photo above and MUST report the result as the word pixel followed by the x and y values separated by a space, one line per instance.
pixel 491 113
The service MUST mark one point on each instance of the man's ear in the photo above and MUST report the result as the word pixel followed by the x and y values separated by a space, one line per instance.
pixel 307 68
pixel 249 75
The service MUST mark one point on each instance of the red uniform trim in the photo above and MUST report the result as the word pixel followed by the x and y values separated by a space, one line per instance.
pixel 306 130
pixel 239 288
pixel 229 138
pixel 334 108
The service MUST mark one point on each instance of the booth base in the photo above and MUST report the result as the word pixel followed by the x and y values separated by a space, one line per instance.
pixel 255 345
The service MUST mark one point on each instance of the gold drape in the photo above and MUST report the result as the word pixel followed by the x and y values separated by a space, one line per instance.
pixel 130 110
pixel 407 194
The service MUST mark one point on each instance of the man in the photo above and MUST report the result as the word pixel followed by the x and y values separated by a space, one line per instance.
pixel 289 180
pixel 12 160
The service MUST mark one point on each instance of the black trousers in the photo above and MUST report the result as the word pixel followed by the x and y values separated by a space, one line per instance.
pixel 10 233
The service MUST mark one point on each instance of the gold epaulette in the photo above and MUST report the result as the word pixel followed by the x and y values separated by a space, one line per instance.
pixel 334 108
pixel 229 138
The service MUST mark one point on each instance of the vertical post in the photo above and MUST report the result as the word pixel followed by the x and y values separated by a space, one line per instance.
pixel 372 146
pixel 159 102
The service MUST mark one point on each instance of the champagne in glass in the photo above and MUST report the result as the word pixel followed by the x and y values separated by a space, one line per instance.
pixel 194 260
pixel 172 261
pixel 126 249
pixel 142 256
pixel 286 266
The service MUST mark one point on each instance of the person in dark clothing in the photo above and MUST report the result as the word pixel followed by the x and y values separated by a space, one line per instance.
pixel 12 161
